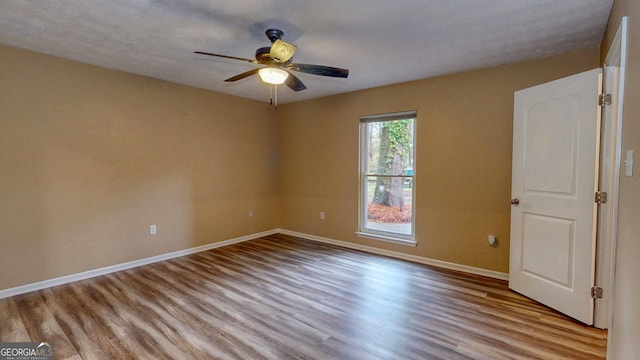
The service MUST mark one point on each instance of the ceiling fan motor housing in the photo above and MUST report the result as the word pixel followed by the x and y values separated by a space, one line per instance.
pixel 262 55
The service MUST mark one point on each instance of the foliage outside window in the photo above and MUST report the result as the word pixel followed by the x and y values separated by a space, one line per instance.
pixel 387 176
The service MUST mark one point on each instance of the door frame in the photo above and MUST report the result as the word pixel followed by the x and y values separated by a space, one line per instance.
pixel 614 70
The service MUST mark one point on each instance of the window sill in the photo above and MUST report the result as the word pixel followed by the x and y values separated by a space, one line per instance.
pixel 391 239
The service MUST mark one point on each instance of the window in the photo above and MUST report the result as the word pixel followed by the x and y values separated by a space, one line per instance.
pixel 387 154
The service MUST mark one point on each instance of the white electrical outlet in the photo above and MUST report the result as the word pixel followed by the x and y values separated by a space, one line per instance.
pixel 321 215
pixel 250 213
pixel 491 239
pixel 152 230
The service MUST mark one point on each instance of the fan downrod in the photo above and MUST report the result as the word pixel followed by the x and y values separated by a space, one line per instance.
pixel 274 34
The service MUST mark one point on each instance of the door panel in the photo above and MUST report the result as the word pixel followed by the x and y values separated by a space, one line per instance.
pixel 544 237
pixel 555 153
pixel 543 159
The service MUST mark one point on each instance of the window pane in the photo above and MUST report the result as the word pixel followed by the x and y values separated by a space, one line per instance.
pixel 389 201
pixel 389 147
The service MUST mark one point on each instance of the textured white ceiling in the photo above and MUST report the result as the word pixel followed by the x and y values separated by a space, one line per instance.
pixel 381 42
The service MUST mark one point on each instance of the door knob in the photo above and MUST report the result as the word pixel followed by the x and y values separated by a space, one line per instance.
pixel 515 201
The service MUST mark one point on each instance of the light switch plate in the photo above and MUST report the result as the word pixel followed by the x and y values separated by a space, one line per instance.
pixel 628 164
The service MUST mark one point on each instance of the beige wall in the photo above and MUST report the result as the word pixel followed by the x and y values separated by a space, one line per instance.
pixel 91 157
pixel 625 328
pixel 463 161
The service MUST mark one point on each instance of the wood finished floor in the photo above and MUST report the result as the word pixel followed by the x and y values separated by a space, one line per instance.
pixel 281 297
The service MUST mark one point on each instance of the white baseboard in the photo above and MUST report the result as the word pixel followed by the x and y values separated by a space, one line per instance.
pixel 132 264
pixel 124 266
pixel 399 255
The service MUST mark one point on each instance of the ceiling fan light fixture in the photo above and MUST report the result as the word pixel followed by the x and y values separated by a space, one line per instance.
pixel 273 75
pixel 282 51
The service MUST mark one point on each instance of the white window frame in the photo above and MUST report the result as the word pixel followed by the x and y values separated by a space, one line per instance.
pixel 363 231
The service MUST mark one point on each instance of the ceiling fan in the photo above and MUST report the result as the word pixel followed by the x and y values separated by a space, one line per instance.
pixel 277 60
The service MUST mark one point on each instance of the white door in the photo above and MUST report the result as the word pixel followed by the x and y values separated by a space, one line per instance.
pixel 554 178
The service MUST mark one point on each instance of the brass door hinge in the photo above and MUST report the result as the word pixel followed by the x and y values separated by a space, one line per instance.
pixel 596 292
pixel 604 99
pixel 601 197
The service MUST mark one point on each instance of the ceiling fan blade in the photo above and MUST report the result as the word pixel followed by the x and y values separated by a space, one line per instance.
pixel 226 57
pixel 294 83
pixel 319 70
pixel 243 75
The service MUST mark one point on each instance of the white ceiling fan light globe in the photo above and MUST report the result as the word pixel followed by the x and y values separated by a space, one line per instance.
pixel 272 75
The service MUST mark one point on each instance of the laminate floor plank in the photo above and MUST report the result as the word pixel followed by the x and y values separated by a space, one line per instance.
pixel 281 297
pixel 42 326
pixel 12 328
